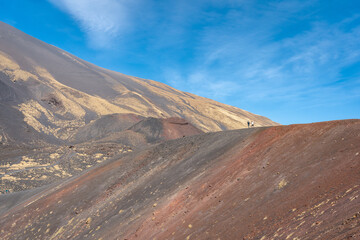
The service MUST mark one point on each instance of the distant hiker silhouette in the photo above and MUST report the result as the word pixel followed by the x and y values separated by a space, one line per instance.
pixel 252 123
pixel 248 124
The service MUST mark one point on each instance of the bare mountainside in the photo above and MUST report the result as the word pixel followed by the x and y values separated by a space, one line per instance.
pixel 47 93
pixel 110 156
pixel 284 182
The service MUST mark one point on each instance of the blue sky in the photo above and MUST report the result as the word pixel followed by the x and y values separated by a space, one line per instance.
pixel 292 61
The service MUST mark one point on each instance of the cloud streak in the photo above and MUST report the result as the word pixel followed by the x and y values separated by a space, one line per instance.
pixel 264 62
pixel 103 21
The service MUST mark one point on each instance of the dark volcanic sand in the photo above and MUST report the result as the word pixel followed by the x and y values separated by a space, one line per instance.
pixel 286 182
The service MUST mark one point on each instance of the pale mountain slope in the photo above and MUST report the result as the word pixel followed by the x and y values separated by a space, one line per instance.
pixel 57 93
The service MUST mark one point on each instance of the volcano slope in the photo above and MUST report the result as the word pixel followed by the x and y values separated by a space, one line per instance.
pixel 47 95
pixel 283 182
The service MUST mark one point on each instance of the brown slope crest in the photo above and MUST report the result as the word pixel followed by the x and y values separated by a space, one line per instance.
pixel 58 93
pixel 155 129
pixel 134 130
pixel 105 126
pixel 286 182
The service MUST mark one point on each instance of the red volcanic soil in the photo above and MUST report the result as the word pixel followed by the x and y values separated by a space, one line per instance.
pixel 285 182
pixel 158 129
pixel 174 128
pixel 133 130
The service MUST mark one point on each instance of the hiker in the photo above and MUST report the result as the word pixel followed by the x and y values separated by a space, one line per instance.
pixel 248 124
pixel 252 123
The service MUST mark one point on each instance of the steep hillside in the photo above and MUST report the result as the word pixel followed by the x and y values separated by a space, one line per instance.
pixel 50 93
pixel 285 182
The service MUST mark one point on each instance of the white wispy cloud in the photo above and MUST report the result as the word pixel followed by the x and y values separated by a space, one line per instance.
pixel 103 21
pixel 254 56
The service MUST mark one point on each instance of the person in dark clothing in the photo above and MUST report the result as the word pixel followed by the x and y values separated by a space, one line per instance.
pixel 248 124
